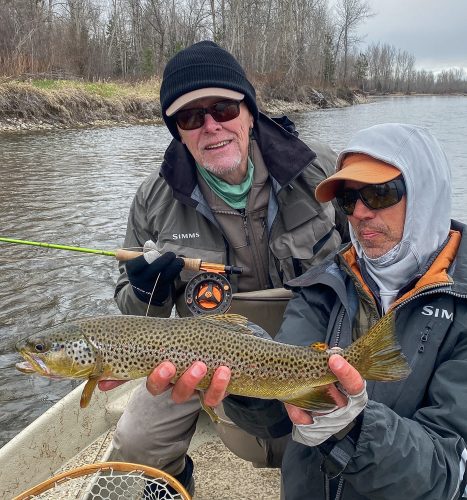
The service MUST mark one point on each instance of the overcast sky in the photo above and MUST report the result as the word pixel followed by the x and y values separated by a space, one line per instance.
pixel 434 31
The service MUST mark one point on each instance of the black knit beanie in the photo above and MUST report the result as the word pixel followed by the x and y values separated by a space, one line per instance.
pixel 200 66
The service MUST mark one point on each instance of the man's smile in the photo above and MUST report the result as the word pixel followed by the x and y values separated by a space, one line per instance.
pixel 218 145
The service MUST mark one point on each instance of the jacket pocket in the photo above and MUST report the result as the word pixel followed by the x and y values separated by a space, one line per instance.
pixel 300 230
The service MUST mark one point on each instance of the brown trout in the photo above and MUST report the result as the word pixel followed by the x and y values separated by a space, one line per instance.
pixel 129 347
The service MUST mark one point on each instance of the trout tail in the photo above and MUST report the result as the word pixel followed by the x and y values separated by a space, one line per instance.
pixel 377 354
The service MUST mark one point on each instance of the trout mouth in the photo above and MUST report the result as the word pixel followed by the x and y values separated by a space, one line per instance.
pixel 33 364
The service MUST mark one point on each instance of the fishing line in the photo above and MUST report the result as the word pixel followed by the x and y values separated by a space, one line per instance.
pixel 152 293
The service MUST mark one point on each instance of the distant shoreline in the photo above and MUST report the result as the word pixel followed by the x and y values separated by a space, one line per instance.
pixel 48 105
pixel 63 104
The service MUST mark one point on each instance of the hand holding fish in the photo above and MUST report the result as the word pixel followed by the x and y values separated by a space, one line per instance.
pixel 160 378
pixel 350 380
pixel 313 428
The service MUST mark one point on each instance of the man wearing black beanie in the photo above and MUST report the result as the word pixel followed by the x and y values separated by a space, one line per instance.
pixel 235 187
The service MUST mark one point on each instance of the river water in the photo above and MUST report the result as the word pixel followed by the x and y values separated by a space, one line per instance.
pixel 75 187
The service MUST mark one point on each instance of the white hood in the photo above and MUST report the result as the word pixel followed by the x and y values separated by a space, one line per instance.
pixel 427 175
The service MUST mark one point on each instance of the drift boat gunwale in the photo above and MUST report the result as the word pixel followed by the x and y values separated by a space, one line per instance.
pixel 57 436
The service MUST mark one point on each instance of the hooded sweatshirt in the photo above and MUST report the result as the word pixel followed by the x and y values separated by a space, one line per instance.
pixel 427 176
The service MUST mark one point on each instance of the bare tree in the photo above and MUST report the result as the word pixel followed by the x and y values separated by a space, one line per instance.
pixel 349 16
pixel 288 47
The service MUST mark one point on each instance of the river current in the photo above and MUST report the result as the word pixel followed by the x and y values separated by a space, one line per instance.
pixel 75 187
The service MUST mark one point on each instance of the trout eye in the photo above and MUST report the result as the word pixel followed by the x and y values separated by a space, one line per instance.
pixel 39 345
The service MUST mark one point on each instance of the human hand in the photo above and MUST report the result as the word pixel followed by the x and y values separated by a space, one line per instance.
pixel 313 428
pixel 159 380
pixel 143 275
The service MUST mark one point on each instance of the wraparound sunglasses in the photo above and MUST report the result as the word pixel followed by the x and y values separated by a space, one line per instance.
pixel 373 196
pixel 222 111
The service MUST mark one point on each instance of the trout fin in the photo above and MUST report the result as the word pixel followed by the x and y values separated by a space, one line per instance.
pixel 216 419
pixel 319 346
pixel 379 353
pixel 88 390
pixel 210 411
pixel 316 399
pixel 234 322
pixel 235 319
pixel 93 379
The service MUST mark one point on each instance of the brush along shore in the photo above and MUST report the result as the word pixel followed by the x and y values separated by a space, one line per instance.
pixel 43 104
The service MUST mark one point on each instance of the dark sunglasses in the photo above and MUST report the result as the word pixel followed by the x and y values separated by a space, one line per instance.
pixel 373 196
pixel 222 111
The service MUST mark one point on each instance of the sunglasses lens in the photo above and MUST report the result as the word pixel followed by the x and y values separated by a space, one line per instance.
pixel 190 119
pixel 346 200
pixel 222 111
pixel 380 196
pixel 373 196
pixel 225 111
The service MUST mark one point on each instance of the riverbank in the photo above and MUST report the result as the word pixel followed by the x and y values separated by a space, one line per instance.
pixel 57 104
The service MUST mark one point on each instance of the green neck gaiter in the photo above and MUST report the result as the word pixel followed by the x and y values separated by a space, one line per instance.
pixel 235 195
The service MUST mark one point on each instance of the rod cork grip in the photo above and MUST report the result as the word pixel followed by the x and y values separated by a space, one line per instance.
pixel 191 264
pixel 125 255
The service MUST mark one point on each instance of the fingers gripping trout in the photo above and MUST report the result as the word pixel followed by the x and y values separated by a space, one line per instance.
pixel 129 347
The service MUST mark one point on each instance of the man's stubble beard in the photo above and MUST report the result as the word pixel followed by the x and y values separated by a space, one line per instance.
pixel 374 250
pixel 218 171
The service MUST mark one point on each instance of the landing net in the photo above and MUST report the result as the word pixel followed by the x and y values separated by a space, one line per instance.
pixel 109 480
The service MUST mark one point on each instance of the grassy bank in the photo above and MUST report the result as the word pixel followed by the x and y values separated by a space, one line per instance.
pixel 47 104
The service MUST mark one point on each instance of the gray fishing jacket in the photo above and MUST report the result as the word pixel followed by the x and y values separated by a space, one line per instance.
pixel 170 209
pixel 411 438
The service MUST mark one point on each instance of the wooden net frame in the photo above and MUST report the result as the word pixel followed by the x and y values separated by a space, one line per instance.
pixel 109 480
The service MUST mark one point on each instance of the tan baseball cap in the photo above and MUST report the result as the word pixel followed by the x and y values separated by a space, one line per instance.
pixel 356 167
pixel 199 94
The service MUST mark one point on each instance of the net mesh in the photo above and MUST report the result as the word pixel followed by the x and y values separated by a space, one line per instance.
pixel 105 481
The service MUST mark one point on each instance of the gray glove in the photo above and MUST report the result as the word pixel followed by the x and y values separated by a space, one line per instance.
pixel 326 425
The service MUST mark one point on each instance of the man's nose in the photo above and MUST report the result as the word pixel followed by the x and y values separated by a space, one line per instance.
pixel 361 211
pixel 210 124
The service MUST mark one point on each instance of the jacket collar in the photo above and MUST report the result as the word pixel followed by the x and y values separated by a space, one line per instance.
pixel 285 158
pixel 449 267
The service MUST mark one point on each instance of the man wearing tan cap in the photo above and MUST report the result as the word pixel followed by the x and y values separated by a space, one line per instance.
pixel 384 440
pixel 235 187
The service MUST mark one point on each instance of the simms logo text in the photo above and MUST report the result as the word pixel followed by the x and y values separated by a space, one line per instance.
pixel 184 236
pixel 437 313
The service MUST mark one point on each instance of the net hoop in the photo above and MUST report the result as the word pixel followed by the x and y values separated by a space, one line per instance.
pixel 89 469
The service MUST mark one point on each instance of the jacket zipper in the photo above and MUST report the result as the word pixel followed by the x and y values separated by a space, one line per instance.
pixel 245 226
pixel 327 486
pixel 340 487
pixel 430 290
pixel 263 225
pixel 254 249
pixel 339 328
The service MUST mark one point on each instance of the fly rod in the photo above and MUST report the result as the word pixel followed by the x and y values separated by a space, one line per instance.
pixel 123 255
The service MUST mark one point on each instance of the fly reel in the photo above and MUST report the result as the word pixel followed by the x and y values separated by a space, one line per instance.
pixel 208 293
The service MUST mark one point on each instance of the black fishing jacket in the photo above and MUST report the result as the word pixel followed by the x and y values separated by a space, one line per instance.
pixel 410 441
